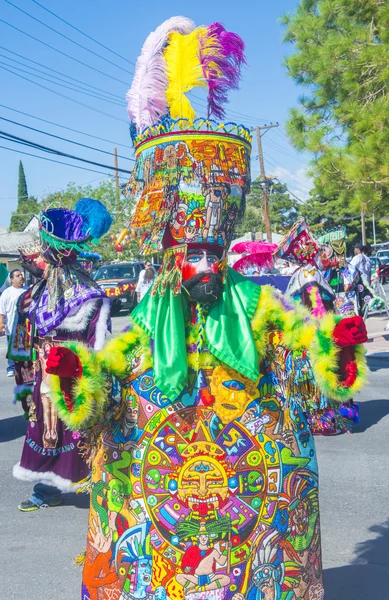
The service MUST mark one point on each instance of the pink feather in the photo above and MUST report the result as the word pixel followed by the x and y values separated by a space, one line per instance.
pixel 258 260
pixel 254 247
pixel 146 98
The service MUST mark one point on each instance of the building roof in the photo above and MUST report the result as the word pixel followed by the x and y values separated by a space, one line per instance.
pixel 11 241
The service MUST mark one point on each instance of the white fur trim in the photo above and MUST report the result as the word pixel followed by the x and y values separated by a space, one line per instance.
pixel 101 325
pixel 65 485
pixel 78 320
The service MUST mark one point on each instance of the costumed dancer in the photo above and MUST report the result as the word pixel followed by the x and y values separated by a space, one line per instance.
pixel 204 476
pixel 66 304
pixel 309 287
pixel 350 281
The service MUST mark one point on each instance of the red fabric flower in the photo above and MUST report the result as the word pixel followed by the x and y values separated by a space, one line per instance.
pixel 63 362
pixel 350 331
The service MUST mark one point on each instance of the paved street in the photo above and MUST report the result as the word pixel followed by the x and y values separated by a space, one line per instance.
pixel 37 548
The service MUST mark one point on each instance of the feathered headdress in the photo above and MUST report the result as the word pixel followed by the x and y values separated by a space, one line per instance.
pixel 177 58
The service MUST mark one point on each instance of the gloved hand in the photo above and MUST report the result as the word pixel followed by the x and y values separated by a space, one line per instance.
pixel 63 362
pixel 349 332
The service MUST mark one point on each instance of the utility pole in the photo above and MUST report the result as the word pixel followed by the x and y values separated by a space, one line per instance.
pixel 266 216
pixel 363 225
pixel 115 164
pixel 374 234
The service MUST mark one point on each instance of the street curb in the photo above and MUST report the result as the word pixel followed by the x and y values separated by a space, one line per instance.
pixel 384 336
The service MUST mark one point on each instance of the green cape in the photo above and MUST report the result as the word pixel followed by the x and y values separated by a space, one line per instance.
pixel 228 332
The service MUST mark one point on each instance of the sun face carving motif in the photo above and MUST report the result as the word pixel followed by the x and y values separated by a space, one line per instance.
pixel 204 480
pixel 195 467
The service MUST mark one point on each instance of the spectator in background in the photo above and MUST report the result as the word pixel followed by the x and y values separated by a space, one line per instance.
pixel 8 301
pixel 361 262
pixel 145 281
pixel 365 252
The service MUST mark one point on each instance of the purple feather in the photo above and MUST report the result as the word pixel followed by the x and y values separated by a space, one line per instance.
pixel 222 57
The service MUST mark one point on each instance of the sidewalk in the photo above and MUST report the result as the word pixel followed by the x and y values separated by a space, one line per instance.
pixel 378 338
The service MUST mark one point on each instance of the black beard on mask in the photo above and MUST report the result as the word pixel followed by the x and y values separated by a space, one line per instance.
pixel 205 292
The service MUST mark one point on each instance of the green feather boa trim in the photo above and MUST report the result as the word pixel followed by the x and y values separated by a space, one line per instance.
pixel 325 356
pixel 89 392
pixel 115 357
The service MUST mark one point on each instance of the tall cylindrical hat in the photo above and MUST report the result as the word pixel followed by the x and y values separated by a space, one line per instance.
pixel 191 174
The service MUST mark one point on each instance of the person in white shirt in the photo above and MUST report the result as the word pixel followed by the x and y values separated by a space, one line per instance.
pixel 145 281
pixel 361 262
pixel 368 262
pixel 8 301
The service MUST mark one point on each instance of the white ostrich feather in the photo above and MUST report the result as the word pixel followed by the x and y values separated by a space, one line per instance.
pixel 146 98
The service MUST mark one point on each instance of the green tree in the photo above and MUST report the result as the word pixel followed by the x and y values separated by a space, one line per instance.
pixel 27 205
pixel 327 213
pixel 341 58
pixel 22 186
pixel 283 209
pixel 23 214
pixel 119 207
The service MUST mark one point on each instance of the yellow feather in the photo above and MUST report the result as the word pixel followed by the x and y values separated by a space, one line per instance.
pixel 184 72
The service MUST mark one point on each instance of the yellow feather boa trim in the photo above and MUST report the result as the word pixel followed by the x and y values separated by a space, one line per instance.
pixel 89 392
pixel 300 330
pixel 276 313
pixel 115 357
pixel 325 358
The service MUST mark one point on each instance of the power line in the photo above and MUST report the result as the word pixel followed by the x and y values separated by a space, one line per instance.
pixel 231 112
pixel 63 126
pixel 66 37
pixel 60 189
pixel 63 53
pixel 114 96
pixel 290 192
pixel 203 103
pixel 58 137
pixel 73 87
pixel 290 176
pixel 18 140
pixel 87 85
pixel 282 150
pixel 64 96
pixel 83 33
pixel 55 161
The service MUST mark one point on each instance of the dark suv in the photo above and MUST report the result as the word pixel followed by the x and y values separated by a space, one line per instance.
pixel 118 280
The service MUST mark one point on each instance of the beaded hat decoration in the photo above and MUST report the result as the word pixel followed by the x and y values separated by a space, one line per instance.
pixel 191 174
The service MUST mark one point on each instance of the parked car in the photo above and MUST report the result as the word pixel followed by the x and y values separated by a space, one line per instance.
pixel 118 280
pixel 379 269
pixel 383 255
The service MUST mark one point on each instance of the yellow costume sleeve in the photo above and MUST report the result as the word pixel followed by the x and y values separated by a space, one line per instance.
pixel 300 330
pixel 88 398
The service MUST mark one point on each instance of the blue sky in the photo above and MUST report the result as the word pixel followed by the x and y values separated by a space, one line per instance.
pixel 266 93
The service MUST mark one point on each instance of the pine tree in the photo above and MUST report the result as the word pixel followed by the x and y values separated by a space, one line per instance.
pixel 22 186
pixel 27 205
pixel 341 58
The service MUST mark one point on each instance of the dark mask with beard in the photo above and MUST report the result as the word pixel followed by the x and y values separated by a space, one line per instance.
pixel 205 292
